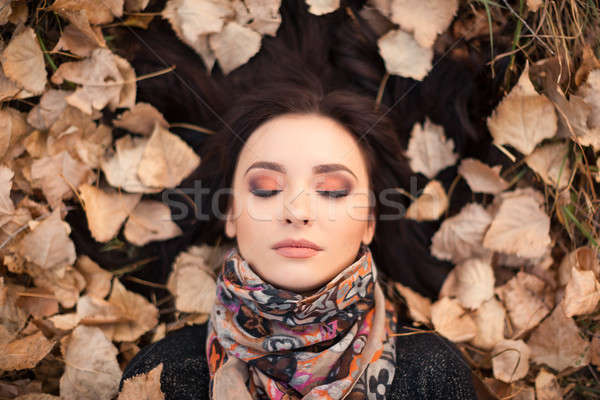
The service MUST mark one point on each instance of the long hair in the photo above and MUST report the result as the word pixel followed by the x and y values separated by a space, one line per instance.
pixel 328 65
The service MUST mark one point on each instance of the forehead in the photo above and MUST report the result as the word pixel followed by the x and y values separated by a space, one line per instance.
pixel 302 141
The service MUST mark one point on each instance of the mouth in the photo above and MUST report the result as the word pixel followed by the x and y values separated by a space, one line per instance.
pixel 296 248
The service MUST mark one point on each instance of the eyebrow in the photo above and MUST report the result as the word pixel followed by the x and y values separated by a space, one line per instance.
pixel 318 169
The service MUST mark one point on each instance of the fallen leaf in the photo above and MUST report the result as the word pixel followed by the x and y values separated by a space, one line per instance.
pixel 24 353
pixel 150 221
pixel 320 7
pixel 95 311
pixel 140 315
pixel 582 293
pixel 522 297
pixel 136 5
pixel 557 342
pixel 589 94
pixel 98 12
pixel 583 258
pixel 489 319
pixel 37 396
pixel 97 279
pixel 121 167
pixel 193 286
pixel 523 118
pixel 13 128
pixel 234 45
pixel 403 56
pixel 38 302
pixel 520 227
pixel 51 106
pixel 595 351
pixel 481 177
pixel 451 320
pixel 89 374
pixel 426 19
pixel 144 386
pixel 259 15
pixel 167 160
pixel 80 41
pixel 6 204
pixel 106 211
pixel 510 360
pixel 419 307
pixel 193 18
pixel 430 205
pixel 59 176
pixel 12 317
pixel 460 237
pixel 23 61
pixel 429 151
pixel 65 322
pixel 546 386
pixel 65 283
pixel 534 5
pixel 474 282
pixel 48 245
pixel 141 119
pixel 551 163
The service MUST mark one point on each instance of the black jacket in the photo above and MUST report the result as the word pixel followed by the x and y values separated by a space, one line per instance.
pixel 428 367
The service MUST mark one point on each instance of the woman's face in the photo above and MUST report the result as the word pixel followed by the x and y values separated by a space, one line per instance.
pixel 300 177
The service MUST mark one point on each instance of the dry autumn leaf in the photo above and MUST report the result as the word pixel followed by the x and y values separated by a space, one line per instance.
pixel 24 353
pixel 426 19
pixel 510 360
pixel 6 204
pixel 546 386
pixel 150 221
pixel 403 56
pixel 234 45
pixel 451 320
pixel 320 7
pixel 430 205
pixel 23 61
pixel 520 227
pixel 48 110
pixel 474 282
pixel 557 342
pixel 481 177
pixel 582 293
pixel 106 211
pixel 98 12
pixel 140 315
pixel 461 237
pixel 523 118
pixel 80 41
pixel 419 307
pixel 429 151
pixel 551 163
pixel 38 302
pixel 489 319
pixel 584 259
pixel 143 386
pixel 260 15
pixel 97 279
pixel 166 160
pixel 65 283
pixel 89 375
pixel 141 119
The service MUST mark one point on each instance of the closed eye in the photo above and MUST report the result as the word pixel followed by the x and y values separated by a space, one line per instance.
pixel 327 193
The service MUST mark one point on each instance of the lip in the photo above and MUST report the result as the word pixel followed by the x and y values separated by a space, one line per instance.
pixel 292 248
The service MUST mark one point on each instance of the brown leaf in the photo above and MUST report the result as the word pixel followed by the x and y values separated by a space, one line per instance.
pixel 595 351
pixel 97 279
pixel 419 307
pixel 141 119
pixel 121 167
pixel 65 283
pixel 98 12
pixel 95 311
pixel 523 118
pixel 6 204
pixel 510 360
pixel 481 177
pixel 13 127
pixel 546 386
pixel 557 342
pixel 234 45
pixel 136 5
pixel 320 7
pixel 430 205
pixel 59 175
pixel 474 282
pixel 23 61
pixel 193 18
pixel 259 15
pixel 51 106
pixel 24 353
pixel 522 298
pixel 582 293
pixel 80 41
pixel 48 245
pixel 102 80
pixel 403 56
pixel 89 374
pixel 490 320
pixel 37 396
pixel 551 163
pixel 38 302
pixel 451 320
pixel 425 18
pixel 589 93
pixel 144 386
pixel 140 315
pixel 167 160
pixel 150 221
pixel 520 227
pixel 13 318
pixel 106 211
pixel 429 151
pixel 461 236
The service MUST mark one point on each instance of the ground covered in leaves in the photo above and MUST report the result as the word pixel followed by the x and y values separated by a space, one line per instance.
pixel 521 302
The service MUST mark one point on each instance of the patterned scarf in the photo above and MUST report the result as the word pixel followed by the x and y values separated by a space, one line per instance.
pixel 270 343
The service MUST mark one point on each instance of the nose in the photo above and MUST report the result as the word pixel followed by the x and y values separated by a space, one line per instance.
pixel 297 208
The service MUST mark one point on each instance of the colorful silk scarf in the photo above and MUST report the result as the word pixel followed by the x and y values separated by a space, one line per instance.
pixel 270 343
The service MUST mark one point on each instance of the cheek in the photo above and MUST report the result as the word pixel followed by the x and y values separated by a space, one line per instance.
pixel 346 219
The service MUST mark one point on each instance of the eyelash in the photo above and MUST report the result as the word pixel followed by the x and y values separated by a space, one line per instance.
pixel 327 193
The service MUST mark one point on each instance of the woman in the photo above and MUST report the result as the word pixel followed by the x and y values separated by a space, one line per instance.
pixel 303 310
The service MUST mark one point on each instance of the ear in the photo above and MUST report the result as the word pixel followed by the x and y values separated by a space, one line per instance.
pixel 370 231
pixel 230 227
